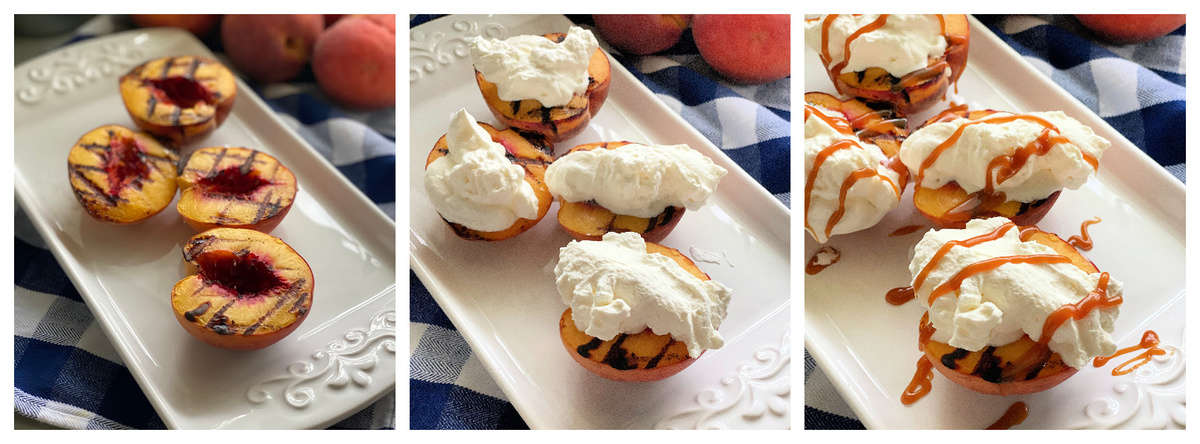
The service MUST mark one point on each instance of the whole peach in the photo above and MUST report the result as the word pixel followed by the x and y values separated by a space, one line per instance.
pixel 642 33
pixel 355 61
pixel 1131 28
pixel 271 48
pixel 199 24
pixel 745 48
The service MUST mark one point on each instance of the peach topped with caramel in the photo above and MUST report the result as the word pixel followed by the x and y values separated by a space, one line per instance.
pixel 967 164
pixel 905 60
pixel 629 187
pixel 485 183
pixel 246 289
pixel 120 175
pixel 234 187
pixel 638 311
pixel 179 99
pixel 548 85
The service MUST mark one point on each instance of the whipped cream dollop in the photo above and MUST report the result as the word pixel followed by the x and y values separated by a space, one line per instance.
pixel 635 179
pixel 997 307
pixel 534 67
pixel 614 286
pixel 867 201
pixel 904 44
pixel 475 185
pixel 966 161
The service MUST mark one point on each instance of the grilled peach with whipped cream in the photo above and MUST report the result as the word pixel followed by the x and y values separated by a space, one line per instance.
pixel 1010 310
pixel 852 177
pixel 906 60
pixel 637 311
pixel 624 186
pixel 967 164
pixel 487 184
pixel 549 85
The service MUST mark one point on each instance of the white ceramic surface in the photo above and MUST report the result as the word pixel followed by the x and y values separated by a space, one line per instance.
pixel 338 361
pixel 868 348
pixel 501 296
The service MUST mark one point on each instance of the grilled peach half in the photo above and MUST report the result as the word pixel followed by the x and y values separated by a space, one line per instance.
pixel 587 220
pixel 234 187
pixel 120 175
pixel 950 206
pixel 1018 368
pixel 245 290
pixel 530 151
pixel 179 99
pixel 918 90
pixel 552 123
pixel 640 357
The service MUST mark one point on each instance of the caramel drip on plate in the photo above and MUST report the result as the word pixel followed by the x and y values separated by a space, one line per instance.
pixel 905 230
pixel 1084 241
pixel 1097 298
pixel 812 267
pixel 991 264
pixel 921 383
pixel 1149 343
pixel 1014 416
pixel 900 295
pixel 836 71
pixel 945 248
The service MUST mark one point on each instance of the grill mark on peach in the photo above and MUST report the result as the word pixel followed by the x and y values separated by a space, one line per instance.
pixel 191 74
pixel 175 113
pixel 167 67
pixel 217 158
pixel 245 167
pixel 191 315
pixel 218 322
pixel 988 367
pixel 299 307
pixel 950 360
pixel 661 353
pixel 282 300
pixel 95 188
pixel 198 245
pixel 585 350
pixel 615 357
pixel 153 103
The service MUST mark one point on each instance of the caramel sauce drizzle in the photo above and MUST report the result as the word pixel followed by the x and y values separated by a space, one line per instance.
pixel 826 57
pixel 812 267
pixel 840 125
pixel 1097 298
pixel 910 79
pixel 847 183
pixel 900 295
pixel 945 248
pixel 905 230
pixel 1014 416
pixel 921 383
pixel 1084 241
pixel 812 174
pixel 991 264
pixel 1149 343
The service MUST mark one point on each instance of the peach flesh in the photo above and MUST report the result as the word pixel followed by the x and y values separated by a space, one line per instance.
pixel 184 92
pixel 232 182
pixel 242 274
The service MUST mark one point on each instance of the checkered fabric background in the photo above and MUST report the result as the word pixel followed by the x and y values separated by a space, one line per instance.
pixel 449 389
pixel 67 373
pixel 1138 89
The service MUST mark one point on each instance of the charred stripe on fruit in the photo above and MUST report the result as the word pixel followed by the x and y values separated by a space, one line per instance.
pixel 95 188
pixel 298 307
pixel 245 167
pixel 198 245
pixel 585 350
pixel 950 360
pixel 988 367
pixel 615 357
pixel 191 74
pixel 167 66
pixel 153 101
pixel 191 315
pixel 661 353
pixel 295 288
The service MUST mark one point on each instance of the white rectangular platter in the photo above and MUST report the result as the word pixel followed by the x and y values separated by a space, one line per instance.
pixel 501 296
pixel 338 361
pixel 868 348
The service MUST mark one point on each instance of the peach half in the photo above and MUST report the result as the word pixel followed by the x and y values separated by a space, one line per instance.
pixel 640 357
pixel 587 220
pixel 1018 368
pixel 120 175
pixel 918 90
pixel 553 123
pixel 234 187
pixel 179 99
pixel 950 206
pixel 530 152
pixel 245 289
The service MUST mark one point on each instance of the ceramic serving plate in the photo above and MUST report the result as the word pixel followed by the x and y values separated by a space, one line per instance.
pixel 338 361
pixel 868 348
pixel 501 296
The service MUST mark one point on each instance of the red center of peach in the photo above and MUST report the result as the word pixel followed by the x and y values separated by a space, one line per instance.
pixel 180 91
pixel 232 182
pixel 244 274
pixel 123 164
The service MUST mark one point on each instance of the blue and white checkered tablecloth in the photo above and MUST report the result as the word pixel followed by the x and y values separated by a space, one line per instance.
pixel 449 389
pixel 1138 89
pixel 66 372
